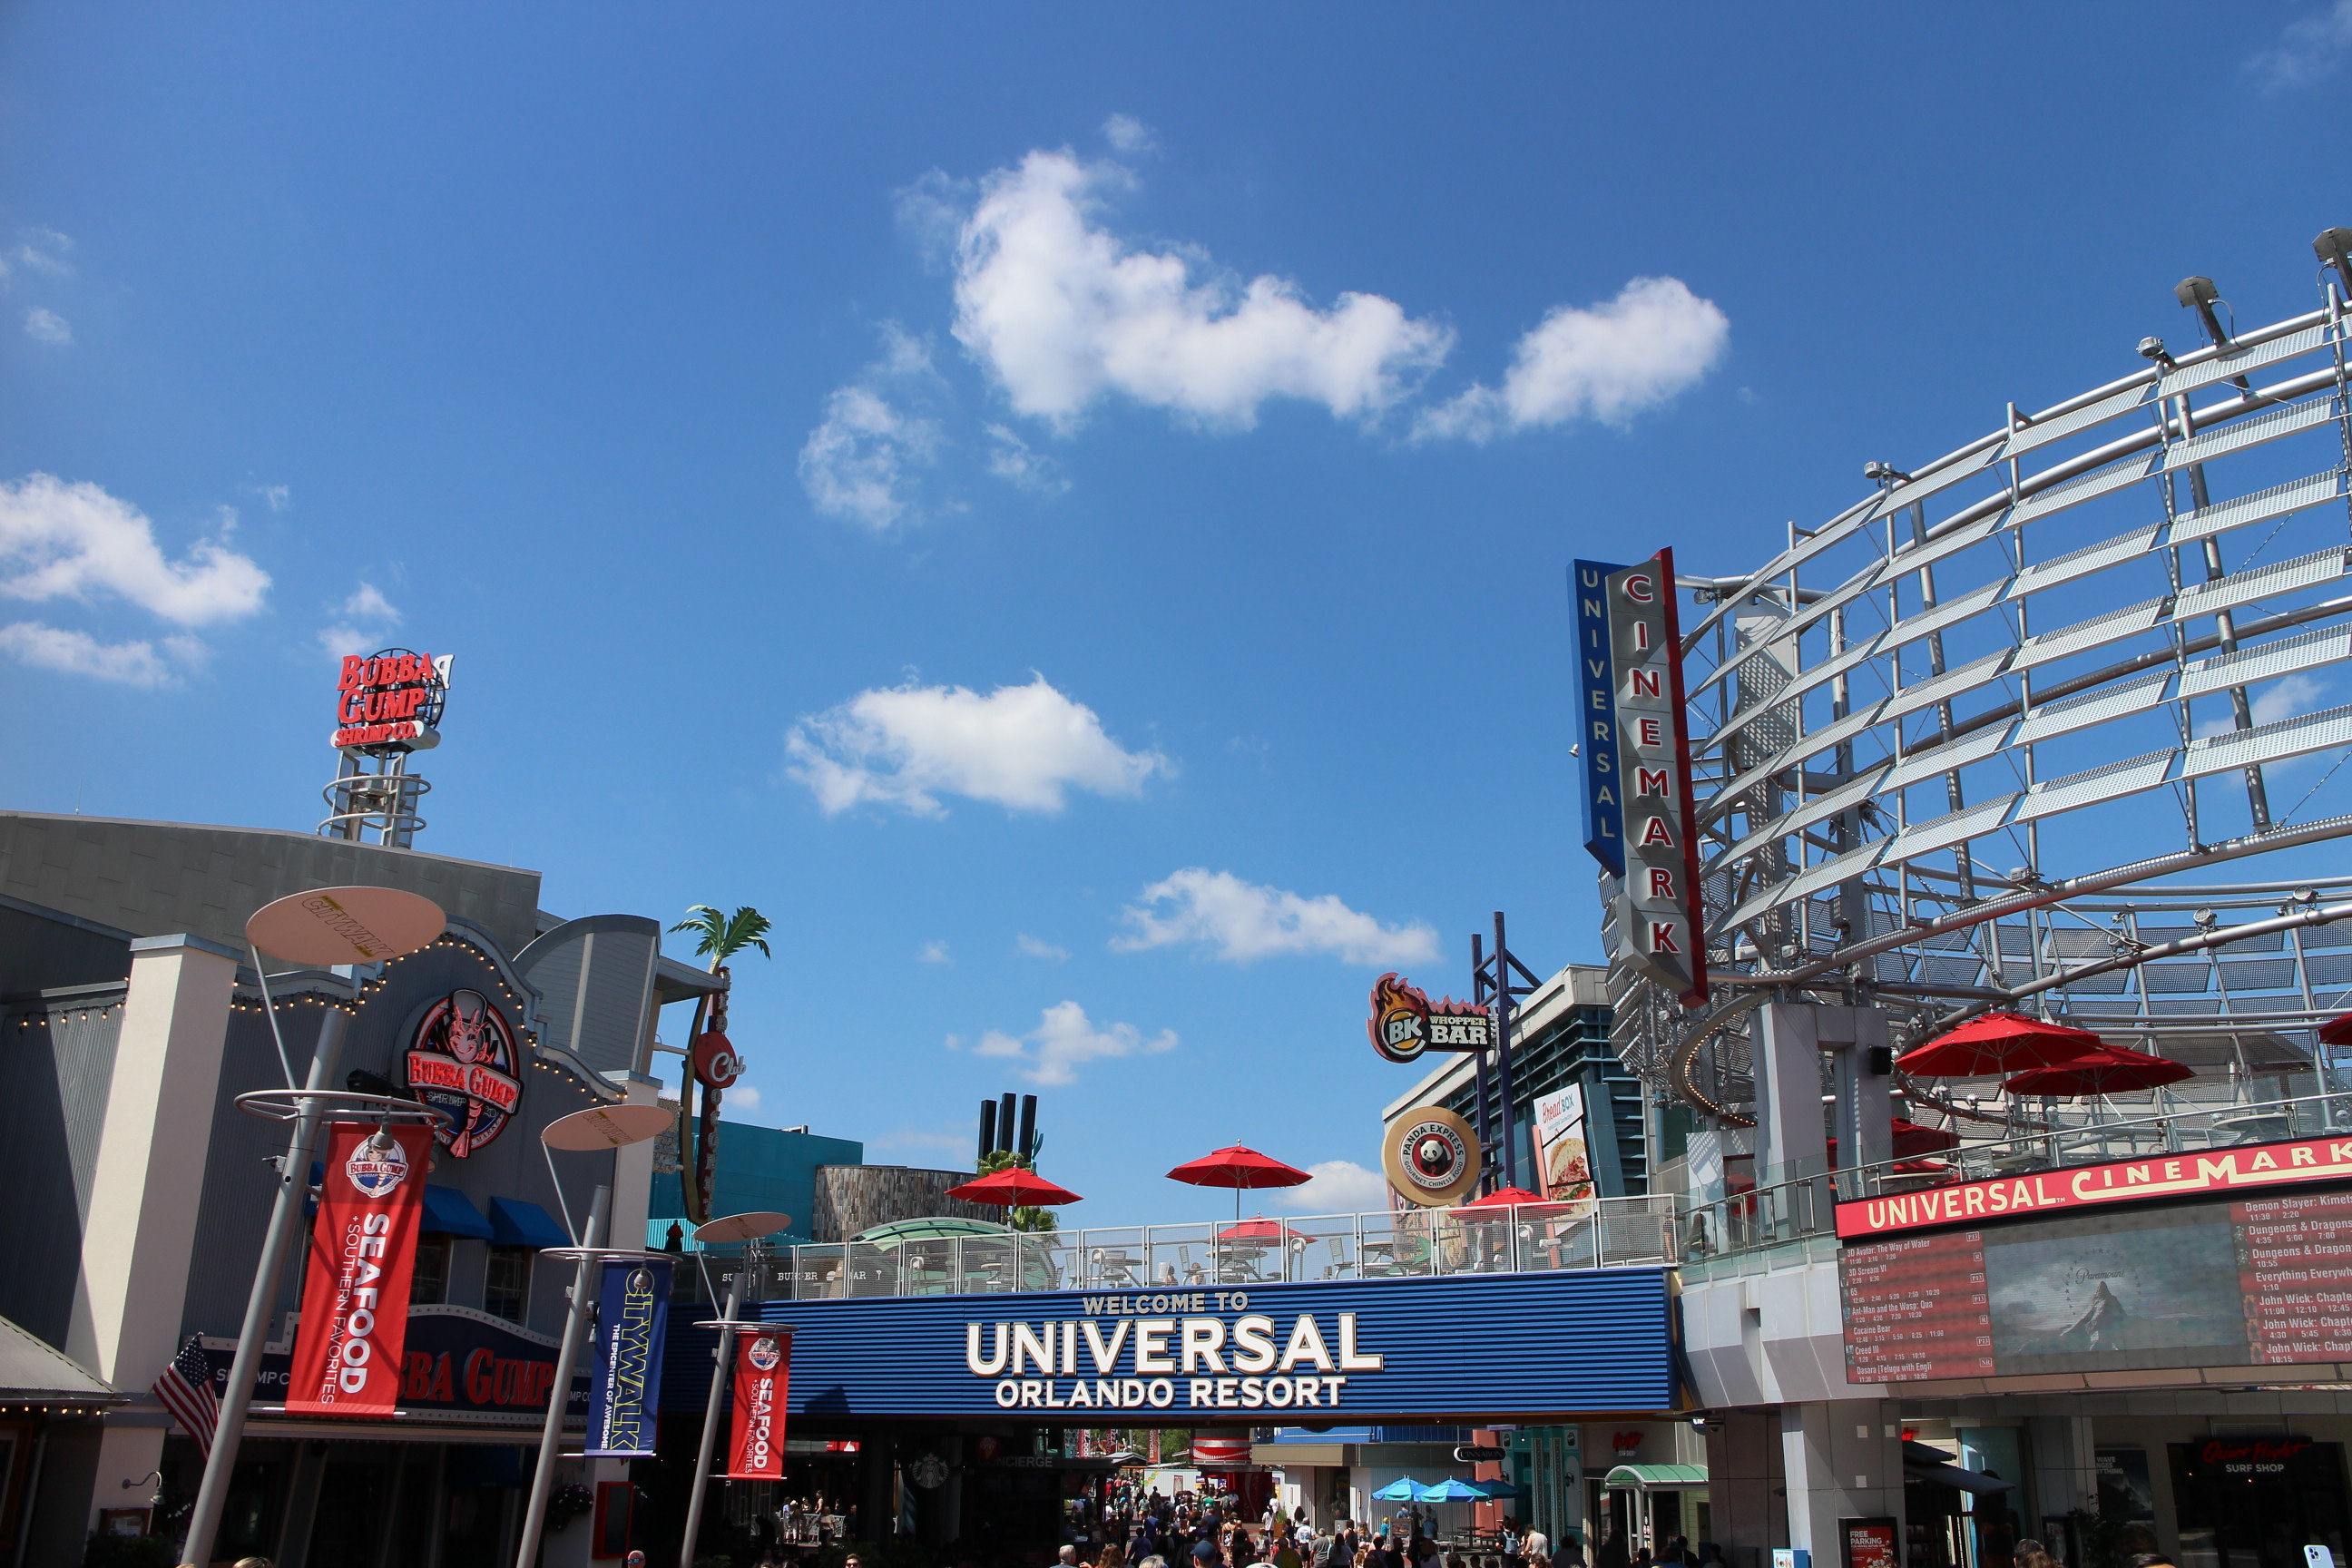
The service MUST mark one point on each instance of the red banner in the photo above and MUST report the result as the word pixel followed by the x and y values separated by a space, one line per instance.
pixel 347 1354
pixel 2192 1173
pixel 763 1373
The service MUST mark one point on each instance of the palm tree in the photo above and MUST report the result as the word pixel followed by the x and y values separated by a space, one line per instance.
pixel 719 938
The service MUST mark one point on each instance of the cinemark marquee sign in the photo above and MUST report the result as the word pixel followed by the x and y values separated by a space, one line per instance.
pixel 2250 1168
pixel 1639 819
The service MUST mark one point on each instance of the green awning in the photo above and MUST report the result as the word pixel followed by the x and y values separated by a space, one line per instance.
pixel 1657 1476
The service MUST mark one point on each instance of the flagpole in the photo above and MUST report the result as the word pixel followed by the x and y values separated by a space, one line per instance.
pixel 285 1218
pixel 720 1370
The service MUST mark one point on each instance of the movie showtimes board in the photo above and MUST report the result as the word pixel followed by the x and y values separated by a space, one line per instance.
pixel 2265 1281
pixel 1916 1309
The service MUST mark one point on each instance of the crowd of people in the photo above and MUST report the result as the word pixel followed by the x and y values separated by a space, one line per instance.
pixel 1144 1530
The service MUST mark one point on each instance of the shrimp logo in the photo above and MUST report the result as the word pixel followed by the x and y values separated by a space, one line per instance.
pixel 763 1354
pixel 376 1172
pixel 462 1064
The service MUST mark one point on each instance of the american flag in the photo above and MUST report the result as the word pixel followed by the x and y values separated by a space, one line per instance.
pixel 186 1390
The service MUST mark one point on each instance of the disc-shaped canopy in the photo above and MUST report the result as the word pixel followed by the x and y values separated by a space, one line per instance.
pixel 1013 1187
pixel 1997 1043
pixel 1404 1488
pixel 606 1127
pixel 1237 1167
pixel 1268 1231
pixel 2336 1031
pixel 741 1226
pixel 2107 1070
pixel 329 926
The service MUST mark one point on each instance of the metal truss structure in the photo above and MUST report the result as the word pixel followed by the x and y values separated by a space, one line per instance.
pixel 1983 739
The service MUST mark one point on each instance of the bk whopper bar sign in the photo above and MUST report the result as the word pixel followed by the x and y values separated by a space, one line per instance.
pixel 1633 732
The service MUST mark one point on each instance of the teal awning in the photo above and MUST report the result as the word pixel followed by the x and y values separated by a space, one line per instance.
pixel 1657 1476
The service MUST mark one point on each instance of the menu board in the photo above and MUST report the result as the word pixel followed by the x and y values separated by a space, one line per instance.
pixel 2263 1281
pixel 1917 1308
pixel 2294 1274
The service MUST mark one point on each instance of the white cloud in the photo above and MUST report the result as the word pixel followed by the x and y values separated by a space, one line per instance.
pixel 1063 312
pixel 1242 921
pixel 742 1096
pixel 41 249
pixel 78 653
pixel 1609 363
pixel 365 618
pixel 62 540
pixel 280 496
pixel 863 463
pixel 2309 49
pixel 1022 465
pixel 1064 1038
pixel 1032 947
pixel 1130 135
pixel 43 326
pixel 1339 1187
pixel 935 951
pixel 1022 747
pixel 2275 701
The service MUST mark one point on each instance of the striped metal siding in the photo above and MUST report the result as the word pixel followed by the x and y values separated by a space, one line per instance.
pixel 1490 1345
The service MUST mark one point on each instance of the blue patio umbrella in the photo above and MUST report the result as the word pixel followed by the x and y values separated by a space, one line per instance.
pixel 1404 1488
pixel 1498 1490
pixel 1451 1490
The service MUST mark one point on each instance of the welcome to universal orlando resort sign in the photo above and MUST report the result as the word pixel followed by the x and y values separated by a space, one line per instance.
pixel 1577 1340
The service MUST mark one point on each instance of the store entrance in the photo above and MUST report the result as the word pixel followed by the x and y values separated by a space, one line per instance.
pixel 2256 1503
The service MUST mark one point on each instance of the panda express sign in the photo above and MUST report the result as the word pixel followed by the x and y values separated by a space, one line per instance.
pixel 1589 1340
pixel 1633 732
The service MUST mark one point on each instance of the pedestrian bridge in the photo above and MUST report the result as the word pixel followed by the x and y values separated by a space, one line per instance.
pixel 956 1256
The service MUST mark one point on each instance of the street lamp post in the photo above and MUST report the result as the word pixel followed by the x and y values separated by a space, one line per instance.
pixel 600 1129
pixel 329 927
pixel 745 1228
pixel 559 1398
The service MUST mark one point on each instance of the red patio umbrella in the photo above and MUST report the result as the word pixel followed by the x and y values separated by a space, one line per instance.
pixel 2107 1070
pixel 1237 1167
pixel 1263 1230
pixel 1911 1140
pixel 1013 1187
pixel 1506 1197
pixel 2336 1031
pixel 1997 1042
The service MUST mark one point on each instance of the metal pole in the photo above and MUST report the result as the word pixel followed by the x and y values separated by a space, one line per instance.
pixel 1504 1088
pixel 725 1364
pixel 550 1432
pixel 285 1224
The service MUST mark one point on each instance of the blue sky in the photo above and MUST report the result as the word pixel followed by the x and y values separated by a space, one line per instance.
pixel 1065 508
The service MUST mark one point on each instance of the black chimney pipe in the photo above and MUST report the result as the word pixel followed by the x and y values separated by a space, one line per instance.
pixel 987 1128
pixel 1028 1124
pixel 1005 1124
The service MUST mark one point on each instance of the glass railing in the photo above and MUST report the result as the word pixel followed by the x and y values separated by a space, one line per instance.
pixel 1612 1233
pixel 1806 1206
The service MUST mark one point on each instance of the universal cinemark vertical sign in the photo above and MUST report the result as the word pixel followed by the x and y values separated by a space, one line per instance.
pixel 1639 819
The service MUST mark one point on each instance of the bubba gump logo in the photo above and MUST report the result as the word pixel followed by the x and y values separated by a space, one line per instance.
pixel 462 1063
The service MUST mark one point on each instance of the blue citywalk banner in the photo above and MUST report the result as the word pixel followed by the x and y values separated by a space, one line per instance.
pixel 624 1391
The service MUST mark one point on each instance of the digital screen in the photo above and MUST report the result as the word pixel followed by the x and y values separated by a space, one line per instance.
pixel 2263 1281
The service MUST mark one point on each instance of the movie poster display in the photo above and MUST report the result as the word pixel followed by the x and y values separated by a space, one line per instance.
pixel 354 1328
pixel 2255 1282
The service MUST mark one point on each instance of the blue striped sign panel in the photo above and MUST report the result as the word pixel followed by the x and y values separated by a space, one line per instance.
pixel 1496 1345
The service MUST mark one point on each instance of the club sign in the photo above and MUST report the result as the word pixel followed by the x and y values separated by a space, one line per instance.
pixel 1633 732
